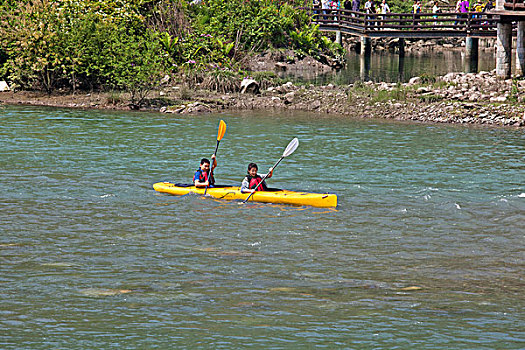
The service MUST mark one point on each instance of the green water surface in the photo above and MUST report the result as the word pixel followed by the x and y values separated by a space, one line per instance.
pixel 424 251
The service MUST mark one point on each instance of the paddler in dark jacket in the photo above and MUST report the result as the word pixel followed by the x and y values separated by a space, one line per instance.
pixel 253 179
pixel 200 179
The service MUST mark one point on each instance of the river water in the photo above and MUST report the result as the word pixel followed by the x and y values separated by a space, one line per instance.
pixel 392 68
pixel 425 249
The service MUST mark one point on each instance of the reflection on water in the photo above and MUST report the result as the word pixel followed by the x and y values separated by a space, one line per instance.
pixel 391 67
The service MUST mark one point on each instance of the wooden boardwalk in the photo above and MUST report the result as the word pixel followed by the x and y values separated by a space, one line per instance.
pixel 407 25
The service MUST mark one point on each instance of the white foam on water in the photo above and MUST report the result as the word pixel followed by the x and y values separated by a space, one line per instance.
pixel 521 195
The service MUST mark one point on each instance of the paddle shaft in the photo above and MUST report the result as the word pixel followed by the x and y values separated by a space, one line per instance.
pixel 265 176
pixel 210 172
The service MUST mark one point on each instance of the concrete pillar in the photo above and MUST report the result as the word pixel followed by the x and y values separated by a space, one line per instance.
pixel 338 37
pixel 364 67
pixel 471 55
pixel 471 46
pixel 470 64
pixel 504 50
pixel 401 46
pixel 520 49
pixel 401 68
pixel 366 46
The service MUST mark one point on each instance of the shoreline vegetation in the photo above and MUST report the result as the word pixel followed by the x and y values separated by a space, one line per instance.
pixel 176 56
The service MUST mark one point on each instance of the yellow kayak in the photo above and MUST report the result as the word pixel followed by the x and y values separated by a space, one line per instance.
pixel 323 200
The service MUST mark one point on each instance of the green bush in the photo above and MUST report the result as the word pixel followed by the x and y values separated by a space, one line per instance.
pixel 259 25
pixel 71 44
pixel 130 44
pixel 135 63
pixel 254 24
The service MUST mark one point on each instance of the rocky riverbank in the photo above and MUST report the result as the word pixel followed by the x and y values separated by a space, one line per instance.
pixel 457 98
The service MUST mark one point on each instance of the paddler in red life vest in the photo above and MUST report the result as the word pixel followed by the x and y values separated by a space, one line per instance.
pixel 253 179
pixel 200 179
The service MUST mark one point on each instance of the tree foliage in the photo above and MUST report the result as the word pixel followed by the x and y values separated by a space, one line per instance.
pixel 131 44
pixel 51 44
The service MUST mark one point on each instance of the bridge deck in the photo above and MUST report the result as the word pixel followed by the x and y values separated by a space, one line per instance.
pixel 407 25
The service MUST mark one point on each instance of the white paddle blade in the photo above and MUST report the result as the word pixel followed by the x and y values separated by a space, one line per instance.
pixel 292 146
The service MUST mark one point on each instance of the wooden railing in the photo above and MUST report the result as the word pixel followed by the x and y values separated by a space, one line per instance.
pixel 514 5
pixel 406 24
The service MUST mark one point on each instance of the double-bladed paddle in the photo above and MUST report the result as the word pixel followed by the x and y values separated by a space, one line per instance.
pixel 292 146
pixel 220 135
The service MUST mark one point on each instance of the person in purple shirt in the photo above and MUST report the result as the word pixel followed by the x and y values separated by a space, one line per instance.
pixel 463 6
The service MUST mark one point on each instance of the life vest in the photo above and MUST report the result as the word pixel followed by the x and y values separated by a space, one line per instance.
pixel 254 181
pixel 203 176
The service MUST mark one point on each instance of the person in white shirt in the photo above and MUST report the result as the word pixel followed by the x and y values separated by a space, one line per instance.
pixel 384 7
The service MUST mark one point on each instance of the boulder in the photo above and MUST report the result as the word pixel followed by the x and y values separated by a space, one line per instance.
pixel 289 97
pixel 383 86
pixel 281 66
pixel 4 86
pixel 449 77
pixel 165 80
pixel 285 88
pixel 249 85
pixel 415 80
pixel 498 99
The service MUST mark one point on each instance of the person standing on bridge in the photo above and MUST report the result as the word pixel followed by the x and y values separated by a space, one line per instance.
pixel 316 5
pixel 488 6
pixel 435 9
pixel 369 9
pixel 462 7
pixel 416 8
pixel 477 7
pixel 355 5
pixel 384 10
pixel 335 5
pixel 325 4
pixel 348 7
